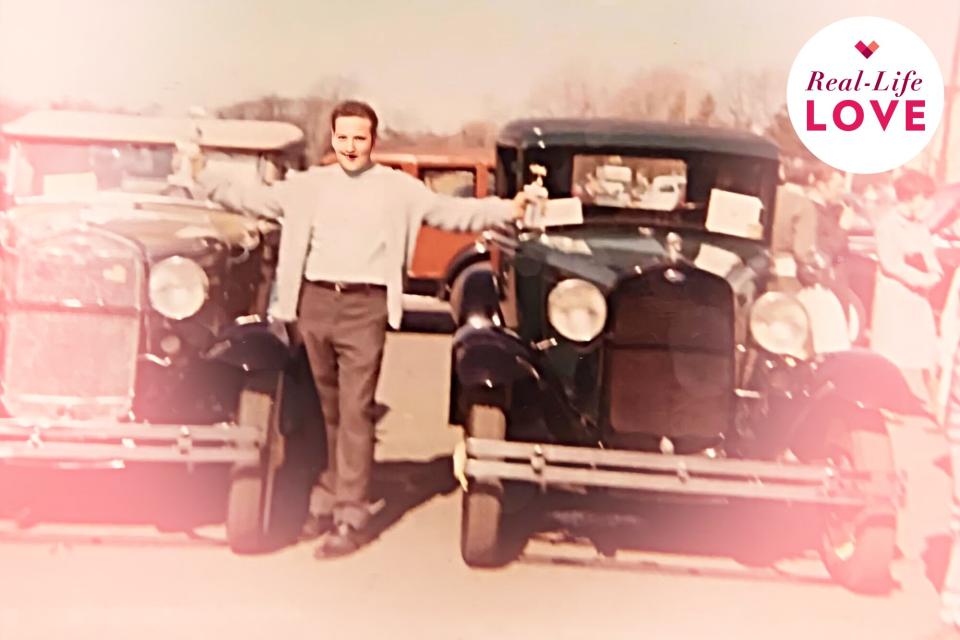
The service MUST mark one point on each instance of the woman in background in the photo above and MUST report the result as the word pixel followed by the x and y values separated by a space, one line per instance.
pixel 903 328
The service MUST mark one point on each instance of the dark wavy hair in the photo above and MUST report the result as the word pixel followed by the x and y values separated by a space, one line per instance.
pixel 911 184
pixel 356 109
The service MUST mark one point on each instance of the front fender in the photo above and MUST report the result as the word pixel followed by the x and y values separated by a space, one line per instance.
pixel 467 256
pixel 866 378
pixel 255 345
pixel 474 294
pixel 490 357
pixel 493 365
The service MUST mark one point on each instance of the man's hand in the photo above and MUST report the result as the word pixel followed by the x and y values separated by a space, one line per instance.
pixel 293 332
pixel 521 201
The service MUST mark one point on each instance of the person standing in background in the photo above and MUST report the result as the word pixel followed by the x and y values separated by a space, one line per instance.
pixel 826 193
pixel 795 224
pixel 904 329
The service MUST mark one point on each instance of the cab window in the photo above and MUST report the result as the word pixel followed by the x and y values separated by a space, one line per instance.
pixel 452 182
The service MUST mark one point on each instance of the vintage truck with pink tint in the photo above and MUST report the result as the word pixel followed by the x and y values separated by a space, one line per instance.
pixel 624 348
pixel 132 326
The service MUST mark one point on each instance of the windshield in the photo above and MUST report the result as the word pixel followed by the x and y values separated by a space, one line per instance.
pixel 708 191
pixel 83 169
pixel 634 183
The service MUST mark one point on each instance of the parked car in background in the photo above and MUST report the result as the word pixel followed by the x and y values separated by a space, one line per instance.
pixel 634 352
pixel 666 193
pixel 132 316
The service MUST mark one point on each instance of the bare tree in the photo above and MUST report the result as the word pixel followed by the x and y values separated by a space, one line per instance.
pixel 570 94
pixel 647 95
pixel 677 112
pixel 334 87
pixel 706 112
pixel 478 134
pixel 635 100
pixel 782 132
pixel 310 112
pixel 564 97
pixel 749 98
pixel 738 106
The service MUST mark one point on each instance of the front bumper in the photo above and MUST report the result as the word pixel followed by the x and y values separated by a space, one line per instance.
pixel 695 476
pixel 67 442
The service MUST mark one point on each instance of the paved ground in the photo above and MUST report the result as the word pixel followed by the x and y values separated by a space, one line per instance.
pixel 92 563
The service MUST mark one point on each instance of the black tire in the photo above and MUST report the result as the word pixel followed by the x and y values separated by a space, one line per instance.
pixel 245 502
pixel 251 486
pixel 482 507
pixel 858 547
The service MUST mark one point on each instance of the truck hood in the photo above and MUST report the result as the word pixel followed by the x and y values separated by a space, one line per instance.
pixel 161 227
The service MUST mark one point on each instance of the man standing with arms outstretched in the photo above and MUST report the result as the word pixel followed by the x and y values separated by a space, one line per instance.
pixel 348 230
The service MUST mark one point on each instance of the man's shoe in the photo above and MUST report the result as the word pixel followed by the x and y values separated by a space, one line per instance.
pixel 341 541
pixel 315 526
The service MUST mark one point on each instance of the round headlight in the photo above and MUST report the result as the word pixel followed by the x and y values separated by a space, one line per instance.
pixel 779 324
pixel 577 310
pixel 178 287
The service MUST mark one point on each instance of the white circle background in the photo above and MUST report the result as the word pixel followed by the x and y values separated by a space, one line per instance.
pixel 832 50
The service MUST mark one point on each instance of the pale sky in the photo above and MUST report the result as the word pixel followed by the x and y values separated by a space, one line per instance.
pixel 423 63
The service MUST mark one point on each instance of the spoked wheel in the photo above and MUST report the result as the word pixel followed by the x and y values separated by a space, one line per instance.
pixel 251 486
pixel 482 508
pixel 858 545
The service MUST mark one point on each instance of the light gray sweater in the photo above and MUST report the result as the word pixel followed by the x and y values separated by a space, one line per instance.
pixel 308 200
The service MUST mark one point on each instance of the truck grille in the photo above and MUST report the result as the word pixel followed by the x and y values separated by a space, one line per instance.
pixel 670 357
pixel 73 326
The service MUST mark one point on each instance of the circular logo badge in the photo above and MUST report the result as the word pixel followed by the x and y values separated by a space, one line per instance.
pixel 865 95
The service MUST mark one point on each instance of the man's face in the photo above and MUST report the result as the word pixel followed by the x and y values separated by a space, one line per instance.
pixel 352 142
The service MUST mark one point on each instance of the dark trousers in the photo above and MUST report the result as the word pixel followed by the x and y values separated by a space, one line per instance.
pixel 344 333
